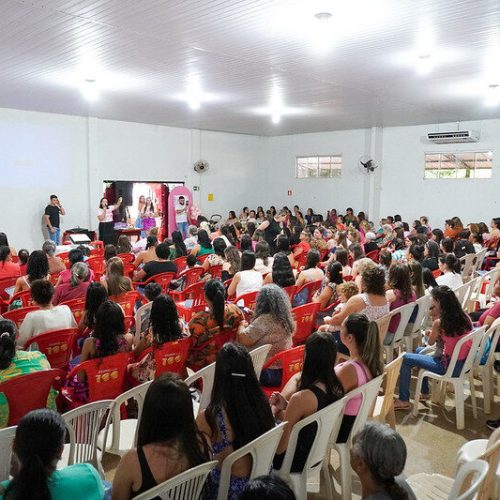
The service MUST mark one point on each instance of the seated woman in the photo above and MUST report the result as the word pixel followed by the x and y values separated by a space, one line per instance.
pixel 206 326
pixel 204 245
pixel 110 252
pixel 168 441
pixel 237 414
pixel 282 274
pixel 39 441
pixel 8 269
pixel 449 265
pixel 429 280
pixel 116 282
pixel 232 262
pixel 218 257
pixel 246 243
pixel 158 266
pixel 313 389
pixel 341 255
pixel 77 286
pixel 48 317
pixel 431 255
pixel 370 245
pixel 75 255
pixel 302 249
pixel 95 296
pixel 123 244
pixel 272 323
pixel 148 254
pixel 38 269
pixel 247 279
pixel 263 259
pixel 311 272
pixel 56 264
pixel 4 242
pixel 328 294
pixel 399 293
pixel 378 456
pixel 283 246
pixel 450 324
pixel 178 248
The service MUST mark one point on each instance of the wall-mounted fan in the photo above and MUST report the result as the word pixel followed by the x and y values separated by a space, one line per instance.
pixel 367 164
pixel 200 166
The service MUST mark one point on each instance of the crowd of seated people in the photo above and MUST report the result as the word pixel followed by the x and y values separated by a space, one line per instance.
pixel 362 272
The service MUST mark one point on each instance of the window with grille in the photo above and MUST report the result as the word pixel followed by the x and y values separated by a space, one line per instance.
pixel 318 166
pixel 463 165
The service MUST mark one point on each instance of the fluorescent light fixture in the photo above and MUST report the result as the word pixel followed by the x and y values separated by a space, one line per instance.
pixel 90 90
pixel 492 97
pixel 425 64
pixel 194 93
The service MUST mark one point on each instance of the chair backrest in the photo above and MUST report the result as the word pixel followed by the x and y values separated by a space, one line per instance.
pixel 98 265
pixel 206 375
pixel 83 425
pixel 328 421
pixel 391 374
pixel 422 304
pixel 28 392
pixel 127 301
pixel 56 345
pixel 369 392
pixel 490 338
pixel 128 269
pixel 261 450
pixel 181 263
pixel 215 271
pixel 248 300
pixel 383 326
pixel 191 276
pixel 6 283
pixel 464 291
pixel 18 315
pixel 138 394
pixel 163 279
pixel 259 356
pixel 290 291
pixel 469 262
pixel 194 292
pixel 185 486
pixel 98 247
pixel 492 457
pixel 171 356
pixel 23 297
pixel 373 255
pixel 436 273
pixel 479 261
pixel 127 258
pixel 487 284
pixel 404 313
pixel 479 469
pixel 305 317
pixel 312 287
pixel 474 338
pixel 291 361
pixel 7 436
pixel 105 376
pixel 77 307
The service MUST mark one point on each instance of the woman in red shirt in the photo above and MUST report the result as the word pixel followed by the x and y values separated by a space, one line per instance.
pixel 8 269
pixel 302 249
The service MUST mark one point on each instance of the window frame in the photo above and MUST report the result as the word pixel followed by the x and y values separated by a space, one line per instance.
pixel 456 169
pixel 335 173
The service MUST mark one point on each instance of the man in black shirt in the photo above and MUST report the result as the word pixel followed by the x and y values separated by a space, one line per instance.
pixel 52 219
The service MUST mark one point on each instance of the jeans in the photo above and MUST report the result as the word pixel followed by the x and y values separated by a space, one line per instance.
pixel 55 236
pixel 183 228
pixel 429 363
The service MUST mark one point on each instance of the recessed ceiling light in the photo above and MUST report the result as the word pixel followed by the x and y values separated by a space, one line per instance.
pixel 323 16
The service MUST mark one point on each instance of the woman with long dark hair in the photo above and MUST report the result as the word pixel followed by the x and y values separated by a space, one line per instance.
pixel 204 245
pixel 313 389
pixel 450 266
pixel 328 294
pixel 178 248
pixel 431 255
pixel 148 215
pixel 263 259
pixel 149 253
pixel 38 446
pixel 206 326
pixel 237 414
pixel 218 257
pixel 311 271
pixel 282 274
pixel 95 296
pixel 247 279
pixel 232 262
pixel 168 441
pixel 8 268
pixel 38 269
pixel 105 217
pixel 450 324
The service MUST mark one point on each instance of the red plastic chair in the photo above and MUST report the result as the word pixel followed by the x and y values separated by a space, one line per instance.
pixel 191 276
pixel 77 307
pixel 127 258
pixel 436 273
pixel 290 291
pixel 129 322
pixel 312 287
pixel 128 269
pixel 291 362
pixel 65 257
pixel 105 378
pixel 98 248
pixel 215 272
pixel 24 297
pixel 163 279
pixel 194 292
pixel 373 255
pixel 54 278
pixel 348 278
pixel 171 356
pixel 57 346
pixel 249 300
pixel 98 265
pixel 29 392
pixel 127 301
pixel 202 258
pixel 4 296
pixel 181 263
pixel 18 315
pixel 305 317
pixel 215 343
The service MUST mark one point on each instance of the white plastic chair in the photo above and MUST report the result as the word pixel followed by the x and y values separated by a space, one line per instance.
pixel 478 295
pixel 83 424
pixel 259 357
pixel 464 292
pixel 369 392
pixel 120 435
pixel 479 261
pixel 7 436
pixel 469 262
pixel 438 487
pixel 422 304
pixel 328 421
pixel 484 373
pixel 185 486
pixel 404 313
pixel 206 375
pixel 457 382
pixel 261 450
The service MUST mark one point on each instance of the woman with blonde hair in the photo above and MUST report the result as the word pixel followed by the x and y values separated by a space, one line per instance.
pixel 116 282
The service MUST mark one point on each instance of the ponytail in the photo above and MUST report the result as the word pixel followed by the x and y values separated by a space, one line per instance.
pixel 451 262
pixel 395 491
pixel 7 343
pixel 30 482
pixel 216 293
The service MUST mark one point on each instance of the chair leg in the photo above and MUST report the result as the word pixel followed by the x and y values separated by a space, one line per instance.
pixel 487 376
pixel 459 403
pixel 389 353
pixel 345 472
pixel 326 475
pixel 418 390
pixel 391 418
pixel 473 393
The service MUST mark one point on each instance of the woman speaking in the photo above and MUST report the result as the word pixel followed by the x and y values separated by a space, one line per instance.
pixel 105 216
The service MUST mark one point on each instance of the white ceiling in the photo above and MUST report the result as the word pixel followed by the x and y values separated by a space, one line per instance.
pixel 144 51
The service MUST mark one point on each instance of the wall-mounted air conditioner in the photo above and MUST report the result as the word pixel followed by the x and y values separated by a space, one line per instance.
pixel 453 137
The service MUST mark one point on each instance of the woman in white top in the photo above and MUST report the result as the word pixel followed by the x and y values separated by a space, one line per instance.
pixel 449 265
pixel 48 317
pixel 105 216
pixel 263 260
pixel 248 279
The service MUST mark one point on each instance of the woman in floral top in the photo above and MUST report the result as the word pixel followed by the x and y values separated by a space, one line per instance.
pixel 207 328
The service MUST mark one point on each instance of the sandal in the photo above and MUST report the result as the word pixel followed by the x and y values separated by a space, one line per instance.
pixel 401 405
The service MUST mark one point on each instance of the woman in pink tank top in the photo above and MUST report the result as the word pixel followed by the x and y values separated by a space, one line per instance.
pixel 360 336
